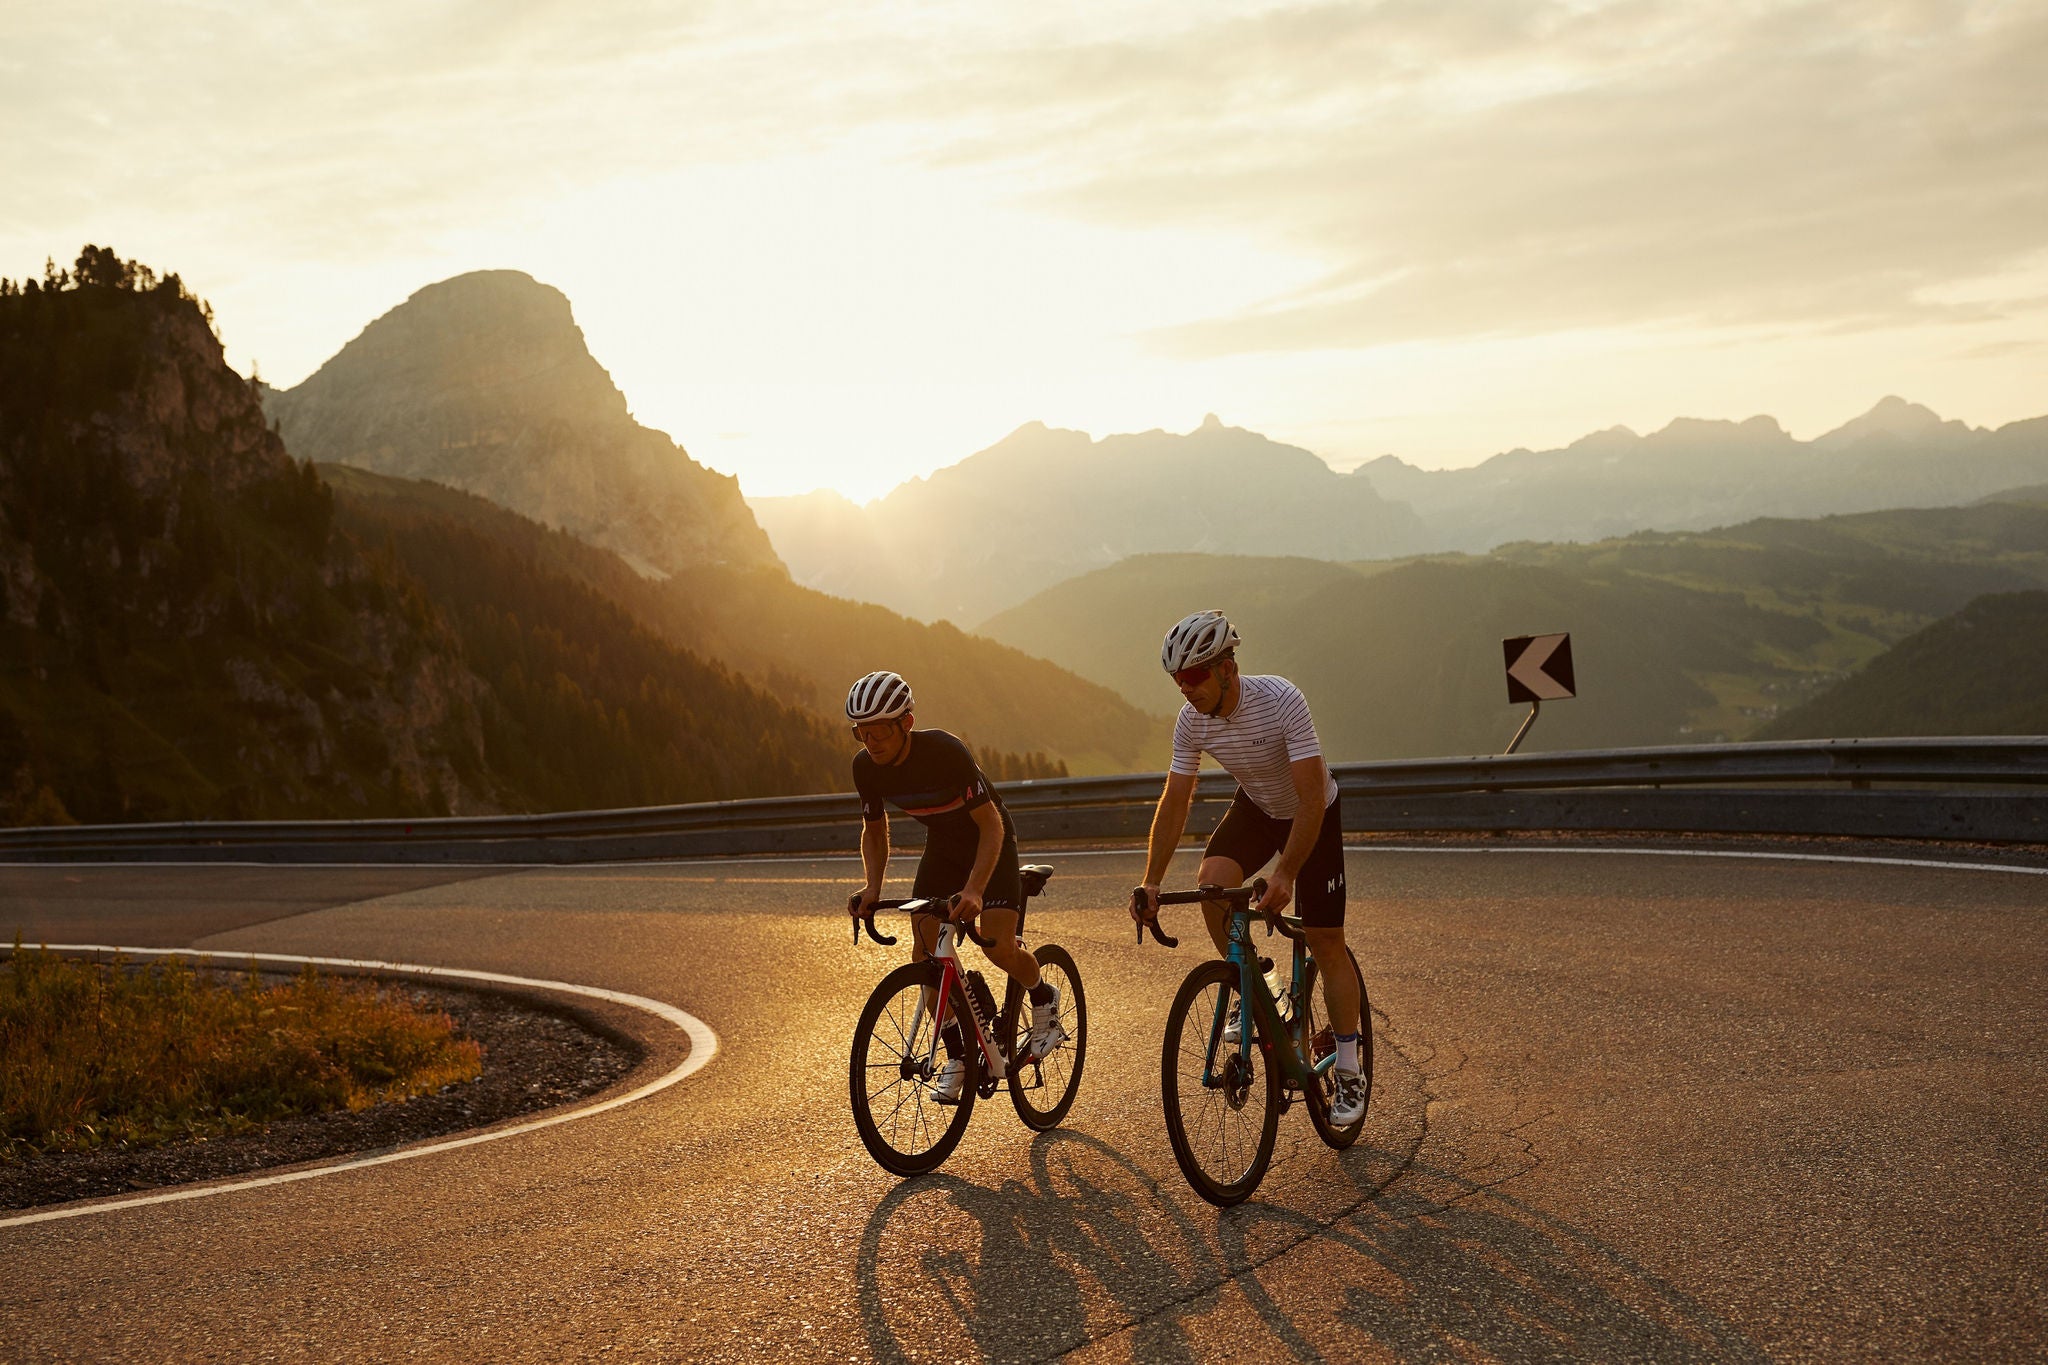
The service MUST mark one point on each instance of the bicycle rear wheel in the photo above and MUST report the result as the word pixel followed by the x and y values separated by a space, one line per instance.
pixel 1043 1090
pixel 900 1124
pixel 1222 1128
pixel 1323 1093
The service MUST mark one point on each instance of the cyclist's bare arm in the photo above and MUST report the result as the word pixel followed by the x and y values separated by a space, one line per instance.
pixel 874 854
pixel 1169 820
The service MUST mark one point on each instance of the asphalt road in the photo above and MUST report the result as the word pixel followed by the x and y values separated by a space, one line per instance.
pixel 1627 1107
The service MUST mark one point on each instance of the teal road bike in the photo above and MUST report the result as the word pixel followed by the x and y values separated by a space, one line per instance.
pixel 1236 1056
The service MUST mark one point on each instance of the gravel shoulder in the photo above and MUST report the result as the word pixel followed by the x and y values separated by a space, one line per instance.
pixel 536 1055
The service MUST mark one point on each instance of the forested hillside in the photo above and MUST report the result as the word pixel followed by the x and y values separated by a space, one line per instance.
pixel 181 633
pixel 1024 717
pixel 1982 671
pixel 187 630
pixel 1677 636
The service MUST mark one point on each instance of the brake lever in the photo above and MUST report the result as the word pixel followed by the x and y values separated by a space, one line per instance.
pixel 853 913
pixel 966 925
pixel 1141 924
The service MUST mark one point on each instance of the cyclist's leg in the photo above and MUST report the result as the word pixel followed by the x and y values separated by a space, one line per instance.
pixel 999 926
pixel 1319 899
pixel 1217 870
pixel 1242 841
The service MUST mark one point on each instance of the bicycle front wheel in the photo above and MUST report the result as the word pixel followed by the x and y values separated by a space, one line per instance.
pixel 1044 1089
pixel 1222 1100
pixel 891 1075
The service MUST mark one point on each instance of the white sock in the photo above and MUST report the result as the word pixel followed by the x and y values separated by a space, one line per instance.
pixel 1347 1052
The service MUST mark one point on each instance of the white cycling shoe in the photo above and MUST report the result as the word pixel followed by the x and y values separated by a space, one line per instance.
pixel 951 1080
pixel 1046 1030
pixel 1347 1106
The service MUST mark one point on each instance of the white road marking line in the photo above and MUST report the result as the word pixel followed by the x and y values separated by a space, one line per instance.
pixel 1945 864
pixel 703 1047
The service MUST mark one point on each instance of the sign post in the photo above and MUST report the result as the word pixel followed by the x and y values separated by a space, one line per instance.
pixel 1539 670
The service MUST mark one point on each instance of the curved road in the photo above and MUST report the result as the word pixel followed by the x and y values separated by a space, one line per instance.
pixel 1628 1106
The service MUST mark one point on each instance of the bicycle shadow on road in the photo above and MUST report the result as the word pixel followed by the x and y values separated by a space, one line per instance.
pixel 1027 1263
pixel 1439 1267
pixel 1092 1248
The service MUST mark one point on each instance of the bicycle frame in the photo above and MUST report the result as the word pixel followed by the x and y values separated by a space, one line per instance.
pixel 1275 1034
pixel 952 980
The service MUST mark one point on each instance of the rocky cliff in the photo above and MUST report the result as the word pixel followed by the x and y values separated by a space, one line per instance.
pixel 182 633
pixel 483 382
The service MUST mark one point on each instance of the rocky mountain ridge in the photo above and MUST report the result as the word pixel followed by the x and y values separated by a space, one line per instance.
pixel 484 382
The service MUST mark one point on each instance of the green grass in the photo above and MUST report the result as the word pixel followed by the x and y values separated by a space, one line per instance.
pixel 108 1053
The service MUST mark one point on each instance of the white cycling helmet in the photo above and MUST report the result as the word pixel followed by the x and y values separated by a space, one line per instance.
pixel 1199 639
pixel 878 696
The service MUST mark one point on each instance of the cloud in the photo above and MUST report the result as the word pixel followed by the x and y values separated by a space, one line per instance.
pixel 1510 169
pixel 1497 168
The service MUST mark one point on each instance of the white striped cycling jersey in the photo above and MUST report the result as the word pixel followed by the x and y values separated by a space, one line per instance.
pixel 1269 730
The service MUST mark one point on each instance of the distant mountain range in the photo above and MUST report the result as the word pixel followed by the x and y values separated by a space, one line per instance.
pixel 1678 636
pixel 483 382
pixel 1696 474
pixel 1043 505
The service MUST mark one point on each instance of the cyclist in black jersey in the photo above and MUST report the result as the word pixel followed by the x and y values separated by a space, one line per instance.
pixel 970 848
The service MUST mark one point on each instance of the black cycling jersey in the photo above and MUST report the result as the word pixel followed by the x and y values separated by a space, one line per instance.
pixel 939 785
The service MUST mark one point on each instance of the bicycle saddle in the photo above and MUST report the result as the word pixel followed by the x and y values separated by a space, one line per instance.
pixel 1035 877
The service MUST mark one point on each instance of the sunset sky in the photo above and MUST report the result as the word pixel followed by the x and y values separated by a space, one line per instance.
pixel 840 245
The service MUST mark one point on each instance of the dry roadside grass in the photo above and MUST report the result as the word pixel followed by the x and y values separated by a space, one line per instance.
pixel 109 1053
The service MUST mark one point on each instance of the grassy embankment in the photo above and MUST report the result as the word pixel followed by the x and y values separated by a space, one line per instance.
pixel 97 1053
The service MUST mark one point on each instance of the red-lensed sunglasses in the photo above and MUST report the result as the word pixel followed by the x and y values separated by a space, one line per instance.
pixel 1194 677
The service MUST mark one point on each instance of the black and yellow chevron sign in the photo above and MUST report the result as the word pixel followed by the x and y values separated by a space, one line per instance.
pixel 1539 667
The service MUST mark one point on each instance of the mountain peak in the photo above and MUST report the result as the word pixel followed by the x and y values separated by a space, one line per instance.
pixel 483 382
pixel 1892 416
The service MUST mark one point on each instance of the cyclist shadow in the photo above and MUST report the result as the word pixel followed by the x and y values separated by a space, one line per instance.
pixel 1086 1213
pixel 1429 1266
pixel 1441 1267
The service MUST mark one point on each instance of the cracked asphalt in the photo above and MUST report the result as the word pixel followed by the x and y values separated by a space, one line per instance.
pixel 1626 1107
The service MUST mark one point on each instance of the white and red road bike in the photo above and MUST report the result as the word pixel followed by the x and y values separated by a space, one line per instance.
pixel 897 1053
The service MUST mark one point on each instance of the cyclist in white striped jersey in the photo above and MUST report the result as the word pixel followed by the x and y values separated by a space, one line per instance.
pixel 1258 727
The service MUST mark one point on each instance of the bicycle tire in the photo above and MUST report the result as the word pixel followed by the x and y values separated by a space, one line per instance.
pixel 1056 1077
pixel 1209 1129
pixel 904 1129
pixel 1321 1094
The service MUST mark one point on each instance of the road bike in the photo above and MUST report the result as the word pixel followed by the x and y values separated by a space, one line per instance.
pixel 897 1052
pixel 1223 1095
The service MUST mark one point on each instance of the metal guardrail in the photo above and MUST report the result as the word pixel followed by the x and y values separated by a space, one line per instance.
pixel 1710 788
